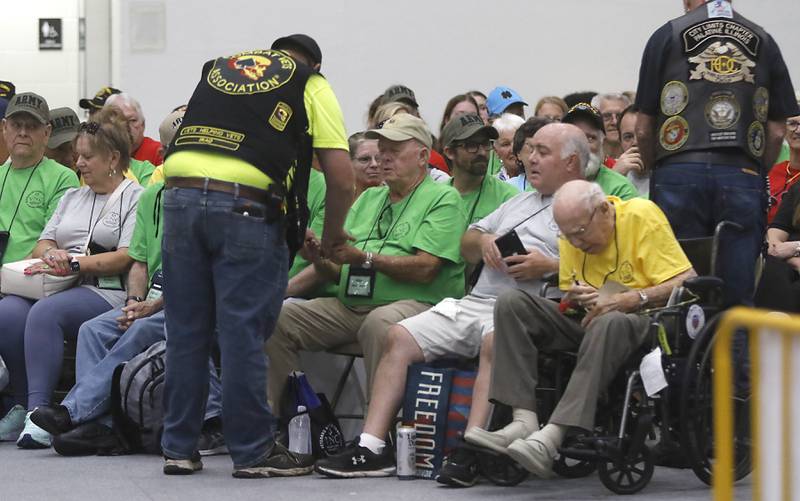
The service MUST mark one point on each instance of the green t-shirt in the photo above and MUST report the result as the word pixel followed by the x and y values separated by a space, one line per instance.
pixel 37 202
pixel 145 245
pixel 141 170
pixel 480 203
pixel 615 184
pixel 430 219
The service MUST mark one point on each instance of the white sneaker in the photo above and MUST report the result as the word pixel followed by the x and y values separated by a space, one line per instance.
pixel 11 425
pixel 33 437
pixel 498 440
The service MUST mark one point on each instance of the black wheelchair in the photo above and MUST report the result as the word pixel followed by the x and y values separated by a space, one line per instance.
pixel 676 421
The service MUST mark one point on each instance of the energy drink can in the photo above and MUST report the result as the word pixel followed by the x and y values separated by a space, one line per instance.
pixel 406 452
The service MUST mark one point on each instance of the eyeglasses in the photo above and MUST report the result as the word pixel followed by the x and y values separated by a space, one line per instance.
pixel 608 115
pixel 368 158
pixel 792 124
pixel 580 230
pixel 473 146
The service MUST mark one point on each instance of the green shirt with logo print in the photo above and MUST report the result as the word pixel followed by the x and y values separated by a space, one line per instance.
pixel 36 191
pixel 431 219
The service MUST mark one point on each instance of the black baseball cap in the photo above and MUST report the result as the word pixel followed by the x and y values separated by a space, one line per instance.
pixel 585 111
pixel 7 89
pixel 99 99
pixel 303 42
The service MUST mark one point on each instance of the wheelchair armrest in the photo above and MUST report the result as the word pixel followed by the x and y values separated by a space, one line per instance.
pixel 550 278
pixel 705 286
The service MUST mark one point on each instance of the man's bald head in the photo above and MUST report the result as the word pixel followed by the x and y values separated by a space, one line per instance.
pixel 584 215
pixel 557 153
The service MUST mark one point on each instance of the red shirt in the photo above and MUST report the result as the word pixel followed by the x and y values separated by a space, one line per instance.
pixel 781 178
pixel 148 150
pixel 437 160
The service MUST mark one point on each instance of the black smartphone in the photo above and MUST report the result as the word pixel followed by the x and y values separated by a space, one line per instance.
pixel 510 244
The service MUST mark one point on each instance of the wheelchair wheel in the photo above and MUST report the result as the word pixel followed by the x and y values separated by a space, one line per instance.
pixel 696 412
pixel 573 468
pixel 500 469
pixel 629 475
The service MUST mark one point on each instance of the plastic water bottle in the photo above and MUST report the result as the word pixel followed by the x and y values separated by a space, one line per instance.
pixel 300 432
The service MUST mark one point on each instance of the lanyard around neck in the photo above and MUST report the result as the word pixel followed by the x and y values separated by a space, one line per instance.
pixel 27 183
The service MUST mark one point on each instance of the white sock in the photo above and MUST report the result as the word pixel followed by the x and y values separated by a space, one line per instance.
pixel 372 443
pixel 529 418
pixel 554 433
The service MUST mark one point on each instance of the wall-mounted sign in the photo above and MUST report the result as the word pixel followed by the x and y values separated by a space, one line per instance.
pixel 50 36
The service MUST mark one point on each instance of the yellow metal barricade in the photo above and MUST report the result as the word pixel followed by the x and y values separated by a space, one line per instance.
pixel 774 341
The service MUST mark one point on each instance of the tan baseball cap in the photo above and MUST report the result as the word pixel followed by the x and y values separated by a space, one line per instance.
pixel 31 103
pixel 403 127
pixel 169 126
pixel 465 126
pixel 65 125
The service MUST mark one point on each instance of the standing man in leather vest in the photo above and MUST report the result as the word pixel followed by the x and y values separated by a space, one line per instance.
pixel 236 177
pixel 713 96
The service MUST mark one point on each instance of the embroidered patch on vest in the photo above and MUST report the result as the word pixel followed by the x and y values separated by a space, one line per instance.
pixel 722 63
pixel 251 72
pixel 674 98
pixel 694 36
pixel 280 116
pixel 756 138
pixel 722 110
pixel 210 136
pixel 761 104
pixel 674 133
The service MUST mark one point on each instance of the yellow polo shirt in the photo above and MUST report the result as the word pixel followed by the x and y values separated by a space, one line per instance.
pixel 325 124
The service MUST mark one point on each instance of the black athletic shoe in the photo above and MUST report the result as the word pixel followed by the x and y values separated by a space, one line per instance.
pixel 460 468
pixel 356 461
pixel 212 441
pixel 281 462
pixel 54 419
pixel 87 439
pixel 182 466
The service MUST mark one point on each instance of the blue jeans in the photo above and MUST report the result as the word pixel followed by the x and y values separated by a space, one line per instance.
pixel 225 270
pixel 102 346
pixel 697 196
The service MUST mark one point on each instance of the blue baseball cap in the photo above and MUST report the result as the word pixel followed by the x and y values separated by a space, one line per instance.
pixel 501 98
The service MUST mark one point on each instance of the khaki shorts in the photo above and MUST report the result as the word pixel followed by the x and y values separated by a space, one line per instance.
pixel 454 327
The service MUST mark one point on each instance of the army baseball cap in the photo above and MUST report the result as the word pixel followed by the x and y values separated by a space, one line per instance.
pixel 31 103
pixel 302 41
pixel 7 89
pixel 99 99
pixel 400 93
pixel 584 111
pixel 65 125
pixel 170 125
pixel 403 127
pixel 465 126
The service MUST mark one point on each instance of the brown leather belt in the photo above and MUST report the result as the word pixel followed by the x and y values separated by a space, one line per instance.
pixel 241 190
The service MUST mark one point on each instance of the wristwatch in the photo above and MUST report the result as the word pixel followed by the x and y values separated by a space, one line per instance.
pixel 367 262
pixel 796 251
pixel 642 298
pixel 138 299
pixel 75 266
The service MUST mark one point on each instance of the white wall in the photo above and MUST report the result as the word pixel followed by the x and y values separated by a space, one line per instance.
pixel 53 74
pixel 439 48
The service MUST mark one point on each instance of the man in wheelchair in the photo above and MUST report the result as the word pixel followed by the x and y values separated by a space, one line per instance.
pixel 616 258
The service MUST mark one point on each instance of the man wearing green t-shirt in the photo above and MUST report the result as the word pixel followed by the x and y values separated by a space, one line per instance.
pixel 405 258
pixel 31 185
pixel 466 142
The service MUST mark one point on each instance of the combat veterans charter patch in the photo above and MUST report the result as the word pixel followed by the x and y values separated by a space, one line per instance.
pixel 756 139
pixel 674 133
pixel 280 116
pixel 674 98
pixel 722 110
pixel 761 104
pixel 722 63
pixel 251 72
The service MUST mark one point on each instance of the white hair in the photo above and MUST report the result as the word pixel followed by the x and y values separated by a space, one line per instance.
pixel 508 122
pixel 611 96
pixel 576 144
pixel 589 199
pixel 125 99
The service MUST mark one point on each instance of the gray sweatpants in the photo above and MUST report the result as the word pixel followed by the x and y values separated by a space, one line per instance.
pixel 525 324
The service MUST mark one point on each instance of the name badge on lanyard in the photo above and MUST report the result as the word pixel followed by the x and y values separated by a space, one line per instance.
pixel 156 287
pixel 360 282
